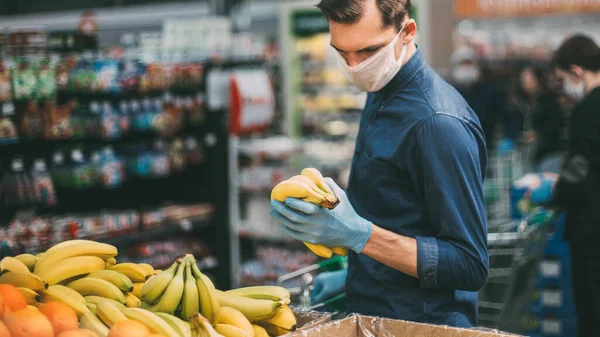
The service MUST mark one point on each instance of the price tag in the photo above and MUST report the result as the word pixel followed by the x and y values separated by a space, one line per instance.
pixel 186 225
pixel 8 108
pixel 550 268
pixel 552 298
pixel 551 327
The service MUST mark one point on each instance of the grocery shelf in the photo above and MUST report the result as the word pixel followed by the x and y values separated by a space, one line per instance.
pixel 161 232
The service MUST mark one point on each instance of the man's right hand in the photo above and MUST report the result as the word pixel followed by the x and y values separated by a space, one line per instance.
pixel 328 285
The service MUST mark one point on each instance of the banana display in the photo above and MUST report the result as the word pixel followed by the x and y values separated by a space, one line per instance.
pixel 310 186
pixel 178 302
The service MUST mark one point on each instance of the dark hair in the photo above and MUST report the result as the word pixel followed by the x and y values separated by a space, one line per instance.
pixel 579 50
pixel 541 73
pixel 350 11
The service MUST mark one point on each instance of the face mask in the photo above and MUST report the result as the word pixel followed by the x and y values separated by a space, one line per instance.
pixel 465 74
pixel 575 91
pixel 378 70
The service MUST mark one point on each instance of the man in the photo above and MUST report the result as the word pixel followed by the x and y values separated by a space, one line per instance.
pixel 414 216
pixel 488 102
pixel 577 64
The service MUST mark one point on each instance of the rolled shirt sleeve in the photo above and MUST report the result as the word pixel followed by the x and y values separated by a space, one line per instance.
pixel 449 158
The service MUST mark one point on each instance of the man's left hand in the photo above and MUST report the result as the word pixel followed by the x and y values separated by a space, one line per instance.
pixel 340 227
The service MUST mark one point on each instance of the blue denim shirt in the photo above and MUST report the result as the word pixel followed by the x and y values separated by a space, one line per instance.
pixel 417 171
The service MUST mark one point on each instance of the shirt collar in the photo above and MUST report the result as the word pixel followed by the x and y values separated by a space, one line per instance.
pixel 405 74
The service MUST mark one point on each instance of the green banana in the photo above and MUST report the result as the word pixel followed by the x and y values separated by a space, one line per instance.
pixel 156 286
pixel 170 300
pixel 119 280
pixel 190 304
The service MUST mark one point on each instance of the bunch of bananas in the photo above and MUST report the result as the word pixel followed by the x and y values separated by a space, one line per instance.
pixel 310 186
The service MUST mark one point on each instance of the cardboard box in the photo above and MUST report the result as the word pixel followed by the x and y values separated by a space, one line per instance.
pixel 364 326
pixel 310 319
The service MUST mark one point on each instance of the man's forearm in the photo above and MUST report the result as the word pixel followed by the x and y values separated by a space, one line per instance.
pixel 393 250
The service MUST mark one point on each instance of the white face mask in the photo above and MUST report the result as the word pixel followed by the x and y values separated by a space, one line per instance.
pixel 465 74
pixel 378 70
pixel 575 91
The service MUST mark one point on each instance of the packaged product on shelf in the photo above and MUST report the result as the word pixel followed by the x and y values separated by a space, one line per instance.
pixel 82 76
pixel 176 155
pixel 46 82
pixel 195 108
pixel 129 78
pixel 5 87
pixel 8 130
pixel 111 168
pixel 42 183
pixel 17 188
pixel 24 79
pixel 194 154
pixel 57 120
pixel 106 75
pixel 124 117
pixel 109 121
pixel 159 160
pixel 81 171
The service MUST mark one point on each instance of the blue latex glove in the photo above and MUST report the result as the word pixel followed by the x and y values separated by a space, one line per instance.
pixel 505 146
pixel 328 285
pixel 340 227
pixel 543 193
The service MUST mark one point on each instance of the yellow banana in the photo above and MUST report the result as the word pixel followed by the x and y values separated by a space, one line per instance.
pixel 12 264
pixel 33 307
pixel 341 251
pixel 24 280
pixel 93 307
pixel 67 296
pixel 148 268
pixel 156 272
pixel 320 250
pixel 209 299
pixel 233 317
pixel 190 304
pixel 109 313
pixel 154 323
pixel 91 322
pixel 119 280
pixel 284 318
pixel 131 270
pixel 253 309
pixel 70 267
pixel 40 255
pixel 300 190
pixel 171 299
pixel 31 296
pixel 181 327
pixel 259 331
pixel 111 262
pixel 273 293
pixel 231 331
pixel 137 289
pixel 310 184
pixel 274 330
pixel 201 327
pixel 317 178
pixel 74 248
pixel 98 299
pixel 28 260
pixel 132 302
pixel 90 286
pixel 156 286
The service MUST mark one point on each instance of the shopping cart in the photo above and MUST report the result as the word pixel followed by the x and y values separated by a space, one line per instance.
pixel 515 248
pixel 299 284
pixel 503 169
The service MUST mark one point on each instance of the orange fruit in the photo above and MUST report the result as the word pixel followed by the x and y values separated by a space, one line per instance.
pixel 14 299
pixel 3 308
pixel 4 330
pixel 129 328
pixel 61 316
pixel 28 323
pixel 78 333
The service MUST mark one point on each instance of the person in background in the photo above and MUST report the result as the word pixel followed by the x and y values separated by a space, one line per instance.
pixel 413 216
pixel 542 119
pixel 577 64
pixel 488 102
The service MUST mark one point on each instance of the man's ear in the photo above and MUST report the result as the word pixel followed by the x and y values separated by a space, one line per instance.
pixel 577 70
pixel 410 31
